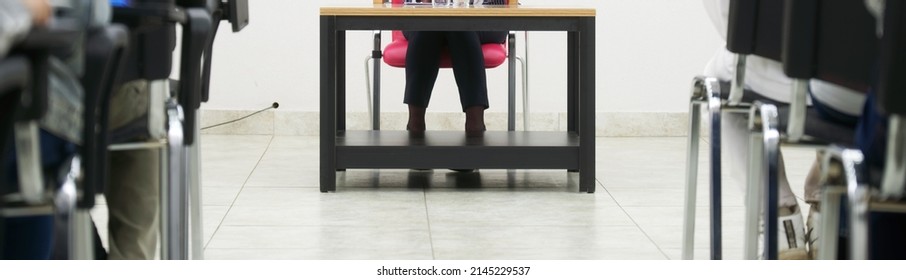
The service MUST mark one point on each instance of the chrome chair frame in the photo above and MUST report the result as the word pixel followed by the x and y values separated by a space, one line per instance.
pixel 763 126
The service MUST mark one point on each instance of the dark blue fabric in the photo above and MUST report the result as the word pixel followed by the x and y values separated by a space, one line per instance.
pixel 29 238
pixel 887 236
pixel 871 134
pixel 423 63
pixel 886 230
pixel 54 151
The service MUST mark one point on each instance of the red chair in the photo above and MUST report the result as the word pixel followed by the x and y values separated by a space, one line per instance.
pixel 495 55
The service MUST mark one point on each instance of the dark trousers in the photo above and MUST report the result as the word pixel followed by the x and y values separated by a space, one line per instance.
pixel 423 63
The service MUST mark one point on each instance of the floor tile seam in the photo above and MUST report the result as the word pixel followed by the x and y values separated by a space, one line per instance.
pixel 428 220
pixel 269 142
pixel 647 236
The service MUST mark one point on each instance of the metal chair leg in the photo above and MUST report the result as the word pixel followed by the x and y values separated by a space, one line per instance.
pixel 838 173
pixel 738 84
pixel 764 119
pixel 859 196
pixel 526 114
pixel 65 200
pixel 691 181
pixel 376 64
pixel 796 127
pixel 174 198
pixel 368 89
pixel 754 195
pixel 695 104
pixel 195 219
pixel 76 222
pixel 714 109
pixel 511 81
pixel 895 162
pixel 81 243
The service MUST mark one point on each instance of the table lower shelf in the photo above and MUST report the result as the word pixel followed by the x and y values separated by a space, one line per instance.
pixel 454 149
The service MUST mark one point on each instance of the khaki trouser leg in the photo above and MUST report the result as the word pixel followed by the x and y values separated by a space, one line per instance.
pixel 133 199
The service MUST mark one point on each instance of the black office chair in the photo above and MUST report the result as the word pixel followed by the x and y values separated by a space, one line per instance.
pixel 153 23
pixel 70 198
pixel 154 38
pixel 869 191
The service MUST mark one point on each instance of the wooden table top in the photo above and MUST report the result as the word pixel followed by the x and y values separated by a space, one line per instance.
pixel 484 11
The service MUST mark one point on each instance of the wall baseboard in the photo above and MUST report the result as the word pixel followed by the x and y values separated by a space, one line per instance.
pixel 611 124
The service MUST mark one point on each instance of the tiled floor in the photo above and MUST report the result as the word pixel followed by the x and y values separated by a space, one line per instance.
pixel 261 201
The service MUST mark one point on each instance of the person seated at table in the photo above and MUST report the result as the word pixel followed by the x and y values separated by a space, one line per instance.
pixel 423 64
pixel 766 78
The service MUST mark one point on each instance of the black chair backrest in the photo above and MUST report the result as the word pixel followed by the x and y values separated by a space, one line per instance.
pixel 151 41
pixel 755 28
pixel 892 76
pixel 834 41
pixel 15 77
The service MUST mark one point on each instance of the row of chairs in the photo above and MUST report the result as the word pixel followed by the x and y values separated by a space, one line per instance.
pixel 137 44
pixel 812 42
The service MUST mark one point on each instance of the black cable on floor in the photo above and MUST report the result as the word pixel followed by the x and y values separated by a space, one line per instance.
pixel 273 106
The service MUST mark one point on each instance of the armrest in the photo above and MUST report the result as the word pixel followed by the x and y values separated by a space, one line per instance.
pixel 38 45
pixel 209 5
pixel 237 13
pixel 15 74
pixel 195 38
pixel 216 17
pixel 105 49
pixel 152 37
pixel 147 15
pixel 62 33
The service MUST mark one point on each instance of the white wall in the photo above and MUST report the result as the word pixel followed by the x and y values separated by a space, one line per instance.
pixel 647 53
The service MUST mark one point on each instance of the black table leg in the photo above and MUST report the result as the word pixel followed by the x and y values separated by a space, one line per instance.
pixel 586 106
pixel 328 103
pixel 572 86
